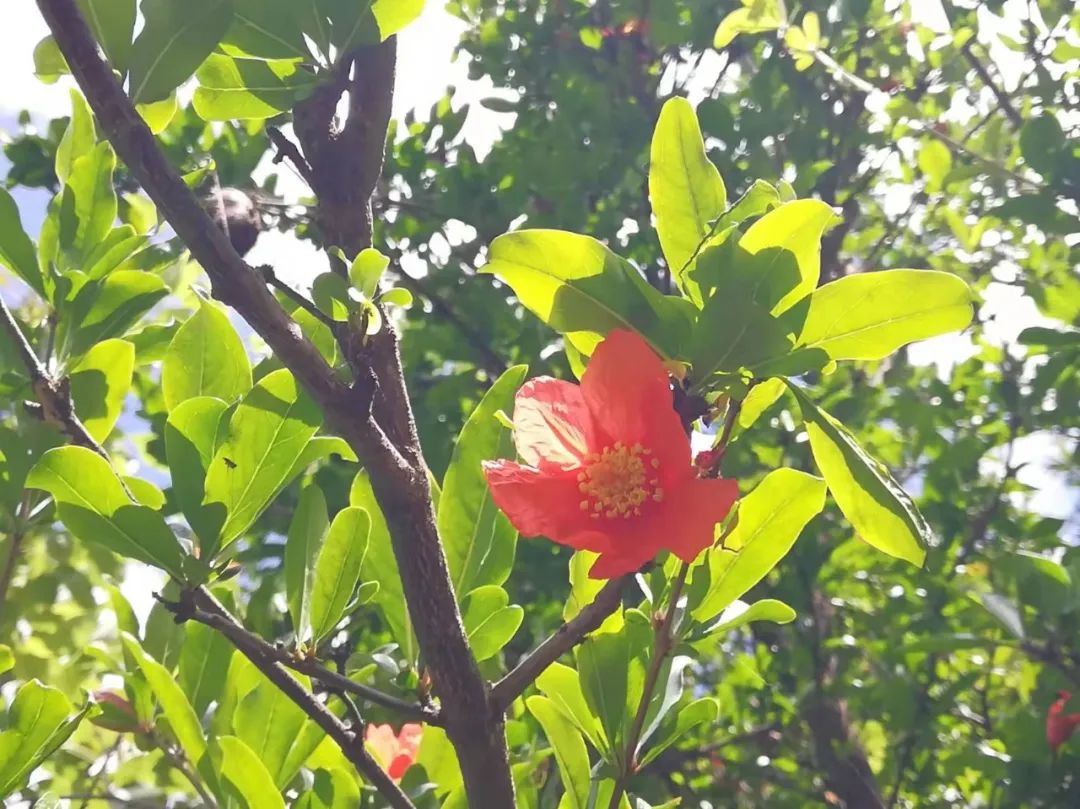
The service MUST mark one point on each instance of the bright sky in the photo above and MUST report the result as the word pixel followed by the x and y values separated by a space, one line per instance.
pixel 426 69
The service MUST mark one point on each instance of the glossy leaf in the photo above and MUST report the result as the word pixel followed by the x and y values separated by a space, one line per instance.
pixel 603 667
pixel 870 315
pixel 89 201
pixel 205 358
pixel 489 622
pixel 366 270
pixel 39 721
pixel 94 507
pixel 243 769
pixel 770 519
pixel 7 659
pixel 332 789
pixel 276 729
pixel 99 384
pixel 562 685
pixel 307 531
pixel 733 332
pixel 685 188
pixel 113 25
pixel 380 565
pixel 478 539
pixel 699 712
pixel 174 41
pixel 569 748
pixel 239 88
pixel 881 512
pixel 582 588
pixel 108 308
pixel 17 252
pixel 583 290
pixel 739 613
pixel 337 569
pixel 393 15
pixel 204 661
pixel 751 19
pixel 79 138
pixel 183 721
pixel 268 29
pixel 783 252
pixel 268 430
pixel 193 433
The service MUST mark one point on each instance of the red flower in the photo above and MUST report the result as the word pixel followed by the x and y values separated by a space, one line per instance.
pixel 396 753
pixel 607 464
pixel 1059 725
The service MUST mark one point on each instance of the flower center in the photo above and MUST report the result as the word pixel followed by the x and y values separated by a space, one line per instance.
pixel 619 481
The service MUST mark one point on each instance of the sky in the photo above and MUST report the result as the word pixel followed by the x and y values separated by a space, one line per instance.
pixel 426 68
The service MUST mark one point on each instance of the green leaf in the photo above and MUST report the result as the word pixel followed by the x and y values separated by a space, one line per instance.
pixel 685 188
pixel 870 315
pixel 334 789
pixel 1004 610
pixel 397 296
pixel 764 15
pixel 94 507
pixel 242 768
pixel 935 162
pixel 108 308
pixel 733 332
pixel 760 398
pixel 699 712
pixel 739 613
pixel 562 685
pixel 881 512
pixel 478 538
pixel 366 270
pixel 1042 142
pixel 569 747
pixel 7 659
pixel 278 731
pixel 330 292
pixel 307 531
pixel 17 252
pixel 174 41
pixel 183 721
pixel 582 588
pixel 583 290
pixel 770 519
pixel 337 569
pixel 489 622
pixel 234 87
pixel 49 62
pixel 145 492
pixel 99 383
pixel 159 114
pixel 79 138
pixel 782 252
pixel 603 668
pixel 120 245
pixel 380 565
pixel 192 434
pixel 271 427
pixel 38 722
pixel 393 15
pixel 205 655
pixel 89 201
pixel 269 29
pixel 205 358
pixel 113 25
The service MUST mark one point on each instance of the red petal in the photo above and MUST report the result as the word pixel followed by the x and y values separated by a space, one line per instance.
pixel 552 425
pixel 627 390
pixel 399 765
pixel 614 564
pixel 691 513
pixel 543 504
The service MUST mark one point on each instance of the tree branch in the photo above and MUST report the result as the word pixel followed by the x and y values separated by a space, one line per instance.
pixel 204 608
pixel 217 617
pixel 53 395
pixel 565 638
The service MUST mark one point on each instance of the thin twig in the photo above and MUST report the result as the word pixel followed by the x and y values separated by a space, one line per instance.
pixel 286 149
pixel 565 638
pixel 206 609
pixel 271 278
pixel 663 644
pixel 214 615
pixel 53 395
pixel 180 763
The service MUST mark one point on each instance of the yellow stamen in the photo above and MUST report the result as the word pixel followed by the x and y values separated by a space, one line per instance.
pixel 615 481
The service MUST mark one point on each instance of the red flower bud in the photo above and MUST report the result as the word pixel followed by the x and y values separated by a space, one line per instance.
pixel 1059 725
pixel 394 752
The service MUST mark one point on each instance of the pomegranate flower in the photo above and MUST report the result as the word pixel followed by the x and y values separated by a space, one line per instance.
pixel 1060 725
pixel 394 752
pixel 607 465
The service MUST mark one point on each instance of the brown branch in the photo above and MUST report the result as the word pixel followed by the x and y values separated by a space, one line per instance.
pixel 286 149
pixel 217 617
pixel 205 609
pixel 1002 97
pixel 52 394
pixel 565 638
